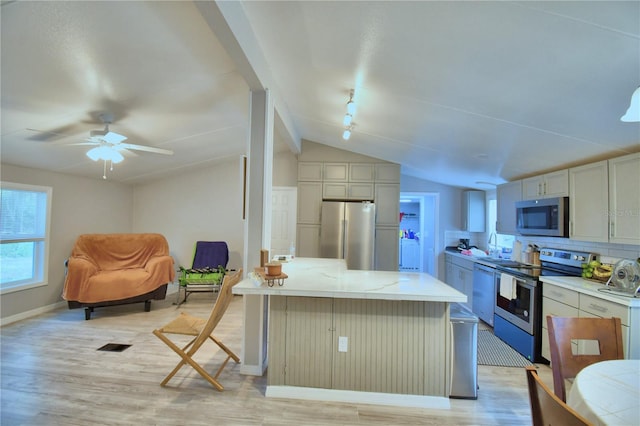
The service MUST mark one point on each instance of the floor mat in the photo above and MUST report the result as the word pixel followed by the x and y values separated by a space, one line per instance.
pixel 493 351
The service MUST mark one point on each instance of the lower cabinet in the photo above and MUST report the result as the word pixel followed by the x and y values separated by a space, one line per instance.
pixel 560 301
pixel 459 275
pixel 388 346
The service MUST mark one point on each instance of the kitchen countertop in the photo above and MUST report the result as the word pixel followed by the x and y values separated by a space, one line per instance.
pixel 311 277
pixel 572 283
pixel 591 288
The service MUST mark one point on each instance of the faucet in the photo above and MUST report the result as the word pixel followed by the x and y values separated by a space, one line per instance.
pixel 493 236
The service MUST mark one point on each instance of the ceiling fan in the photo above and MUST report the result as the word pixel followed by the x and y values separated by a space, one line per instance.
pixel 109 146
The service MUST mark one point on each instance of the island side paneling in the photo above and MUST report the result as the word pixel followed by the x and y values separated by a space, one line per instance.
pixel 393 346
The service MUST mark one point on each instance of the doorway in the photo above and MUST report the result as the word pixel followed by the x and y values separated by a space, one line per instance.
pixel 418 235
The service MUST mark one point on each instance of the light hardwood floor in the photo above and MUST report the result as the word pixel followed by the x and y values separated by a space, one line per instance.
pixel 52 374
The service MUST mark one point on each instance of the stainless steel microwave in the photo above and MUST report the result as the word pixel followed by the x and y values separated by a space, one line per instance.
pixel 546 217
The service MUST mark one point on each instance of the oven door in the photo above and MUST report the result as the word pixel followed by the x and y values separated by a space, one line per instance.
pixel 516 303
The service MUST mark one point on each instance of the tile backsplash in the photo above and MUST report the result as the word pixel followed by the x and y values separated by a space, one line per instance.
pixel 608 253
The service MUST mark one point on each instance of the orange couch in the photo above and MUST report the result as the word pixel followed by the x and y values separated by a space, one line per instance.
pixel 114 269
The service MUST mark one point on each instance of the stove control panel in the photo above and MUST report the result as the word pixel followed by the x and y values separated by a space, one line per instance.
pixel 566 257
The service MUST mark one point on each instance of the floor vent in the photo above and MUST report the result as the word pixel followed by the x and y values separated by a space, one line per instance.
pixel 114 347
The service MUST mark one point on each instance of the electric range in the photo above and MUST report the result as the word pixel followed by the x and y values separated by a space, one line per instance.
pixel 518 308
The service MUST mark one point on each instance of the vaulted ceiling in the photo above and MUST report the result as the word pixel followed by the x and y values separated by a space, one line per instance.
pixel 470 94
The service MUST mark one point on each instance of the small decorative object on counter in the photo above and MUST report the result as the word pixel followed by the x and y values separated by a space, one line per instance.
pixel 265 275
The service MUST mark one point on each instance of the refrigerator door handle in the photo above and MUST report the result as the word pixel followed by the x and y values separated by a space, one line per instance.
pixel 345 246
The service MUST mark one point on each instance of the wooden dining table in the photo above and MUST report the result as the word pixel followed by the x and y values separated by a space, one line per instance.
pixel 608 392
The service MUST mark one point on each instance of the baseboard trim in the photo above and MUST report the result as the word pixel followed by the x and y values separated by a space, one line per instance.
pixel 355 397
pixel 32 313
pixel 252 370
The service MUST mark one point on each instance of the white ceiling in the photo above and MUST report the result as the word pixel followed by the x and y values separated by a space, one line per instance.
pixel 456 92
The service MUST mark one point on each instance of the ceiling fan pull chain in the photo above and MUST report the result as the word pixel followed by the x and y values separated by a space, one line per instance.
pixel 104 170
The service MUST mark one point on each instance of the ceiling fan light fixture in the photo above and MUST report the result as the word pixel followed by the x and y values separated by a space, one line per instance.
pixel 105 153
pixel 633 112
pixel 347 120
pixel 347 134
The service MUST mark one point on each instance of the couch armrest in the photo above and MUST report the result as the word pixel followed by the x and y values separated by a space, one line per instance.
pixel 79 270
pixel 156 264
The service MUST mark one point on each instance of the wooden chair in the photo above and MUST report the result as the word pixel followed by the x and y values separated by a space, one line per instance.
pixel 564 363
pixel 546 408
pixel 201 329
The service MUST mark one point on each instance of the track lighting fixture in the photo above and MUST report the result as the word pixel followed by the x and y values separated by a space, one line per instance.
pixel 347 122
pixel 347 133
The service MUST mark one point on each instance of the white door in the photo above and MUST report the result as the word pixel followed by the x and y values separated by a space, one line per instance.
pixel 283 219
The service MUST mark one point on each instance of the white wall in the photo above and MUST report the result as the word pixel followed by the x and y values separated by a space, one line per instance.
pixel 450 207
pixel 201 205
pixel 79 206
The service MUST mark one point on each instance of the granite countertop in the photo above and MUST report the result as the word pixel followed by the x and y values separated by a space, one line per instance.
pixel 311 277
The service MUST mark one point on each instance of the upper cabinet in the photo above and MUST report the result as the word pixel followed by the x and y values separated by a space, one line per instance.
pixel 588 201
pixel 336 172
pixel 624 199
pixel 473 211
pixel 604 201
pixel 387 173
pixel 348 181
pixel 361 172
pixel 310 172
pixel 507 194
pixel 549 185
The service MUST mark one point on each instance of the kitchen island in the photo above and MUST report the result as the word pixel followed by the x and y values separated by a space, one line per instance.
pixel 359 336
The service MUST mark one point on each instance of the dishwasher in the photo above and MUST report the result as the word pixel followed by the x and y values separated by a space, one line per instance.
pixel 484 292
pixel 464 352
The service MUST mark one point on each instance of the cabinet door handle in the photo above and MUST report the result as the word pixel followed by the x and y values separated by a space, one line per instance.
pixel 598 307
pixel 544 186
pixel 611 228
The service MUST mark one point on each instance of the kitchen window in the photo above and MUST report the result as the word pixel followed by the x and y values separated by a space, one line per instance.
pixel 25 217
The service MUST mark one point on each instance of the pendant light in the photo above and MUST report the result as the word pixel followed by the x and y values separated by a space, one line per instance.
pixel 633 113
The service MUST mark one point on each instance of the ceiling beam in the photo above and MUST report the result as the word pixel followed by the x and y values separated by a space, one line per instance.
pixel 229 23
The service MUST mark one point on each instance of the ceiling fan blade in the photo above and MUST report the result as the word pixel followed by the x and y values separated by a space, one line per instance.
pixel 93 143
pixel 146 148
pixel 113 138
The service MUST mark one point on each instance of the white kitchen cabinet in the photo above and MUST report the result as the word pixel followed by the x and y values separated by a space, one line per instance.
pixel 588 202
pixel 336 172
pixel 507 194
pixel 308 241
pixel 560 301
pixel 361 172
pixel 387 199
pixel 555 184
pixel 386 248
pixel 348 191
pixel 624 199
pixel 360 191
pixel 459 275
pixel 387 173
pixel 309 202
pixel 473 211
pixel 310 172
pixel 335 190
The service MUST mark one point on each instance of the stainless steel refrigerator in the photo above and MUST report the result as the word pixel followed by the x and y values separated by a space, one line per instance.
pixel 347 231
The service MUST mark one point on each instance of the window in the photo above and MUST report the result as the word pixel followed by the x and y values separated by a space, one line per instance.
pixel 25 212
pixel 495 239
